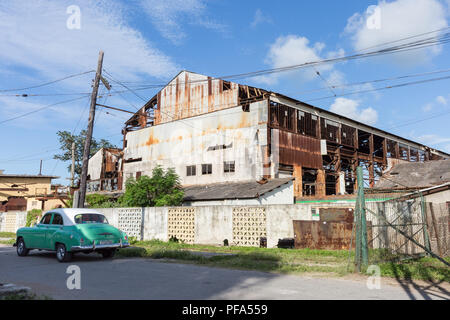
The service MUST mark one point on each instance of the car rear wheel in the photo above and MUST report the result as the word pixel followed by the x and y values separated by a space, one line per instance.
pixel 22 250
pixel 107 254
pixel 62 254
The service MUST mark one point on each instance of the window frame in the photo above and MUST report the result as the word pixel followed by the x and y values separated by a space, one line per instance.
pixel 53 220
pixel 191 171
pixel 50 214
pixel 231 165
pixel 206 165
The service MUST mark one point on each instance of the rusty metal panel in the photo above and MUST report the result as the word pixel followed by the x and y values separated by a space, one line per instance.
pixel 191 94
pixel 297 149
pixel 324 235
pixel 336 215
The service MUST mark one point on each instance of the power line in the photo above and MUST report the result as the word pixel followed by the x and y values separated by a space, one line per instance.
pixel 40 109
pixel 47 83
pixel 307 64
pixel 382 88
pixel 377 80
pixel 423 43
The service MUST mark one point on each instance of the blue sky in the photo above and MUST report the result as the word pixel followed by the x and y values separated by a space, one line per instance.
pixel 150 41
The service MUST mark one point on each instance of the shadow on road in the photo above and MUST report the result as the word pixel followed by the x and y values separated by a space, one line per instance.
pixel 431 289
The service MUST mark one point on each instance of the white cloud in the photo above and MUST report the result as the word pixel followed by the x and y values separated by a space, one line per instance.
pixel 428 107
pixel 293 50
pixel 260 18
pixel 441 100
pixel 399 19
pixel 351 109
pixel 169 17
pixel 34 35
pixel 432 139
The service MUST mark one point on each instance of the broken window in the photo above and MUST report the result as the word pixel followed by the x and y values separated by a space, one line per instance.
pixel 363 142
pixel 378 146
pixel 413 155
pixel 421 156
pixel 273 112
pixel 226 85
pixel 228 166
pixel 404 152
pixel 348 135
pixel 391 149
pixel 281 116
pixel 330 184
pixel 207 168
pixel 307 123
pixel 309 177
pixel 329 130
pixel 191 171
pixel 286 117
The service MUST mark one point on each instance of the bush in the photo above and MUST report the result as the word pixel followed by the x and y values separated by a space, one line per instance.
pixel 32 216
pixel 161 189
pixel 100 201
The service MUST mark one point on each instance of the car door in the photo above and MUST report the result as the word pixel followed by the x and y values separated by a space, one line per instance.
pixel 38 238
pixel 56 225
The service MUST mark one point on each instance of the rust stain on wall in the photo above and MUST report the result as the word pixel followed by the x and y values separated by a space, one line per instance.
pixel 152 140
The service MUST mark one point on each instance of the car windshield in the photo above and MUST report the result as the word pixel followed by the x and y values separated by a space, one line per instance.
pixel 90 218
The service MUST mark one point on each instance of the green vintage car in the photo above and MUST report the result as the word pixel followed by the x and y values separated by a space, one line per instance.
pixel 71 230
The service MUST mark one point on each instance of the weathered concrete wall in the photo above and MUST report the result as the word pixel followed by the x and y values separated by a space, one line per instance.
pixel 225 135
pixel 155 224
pixel 213 224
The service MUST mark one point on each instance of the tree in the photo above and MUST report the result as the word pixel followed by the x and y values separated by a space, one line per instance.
pixel 161 189
pixel 66 138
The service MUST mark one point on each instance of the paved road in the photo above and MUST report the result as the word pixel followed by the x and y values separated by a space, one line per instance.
pixel 152 279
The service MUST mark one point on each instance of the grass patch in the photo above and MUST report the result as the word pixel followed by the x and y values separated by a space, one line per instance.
pixel 328 262
pixel 428 269
pixel 246 258
pixel 8 242
pixel 7 235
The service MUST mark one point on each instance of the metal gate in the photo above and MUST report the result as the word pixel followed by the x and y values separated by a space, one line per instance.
pixel 398 223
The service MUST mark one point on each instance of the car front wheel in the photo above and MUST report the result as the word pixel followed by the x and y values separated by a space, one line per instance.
pixel 62 254
pixel 22 250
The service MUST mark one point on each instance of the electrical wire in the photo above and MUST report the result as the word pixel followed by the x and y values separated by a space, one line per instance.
pixel 40 109
pixel 47 83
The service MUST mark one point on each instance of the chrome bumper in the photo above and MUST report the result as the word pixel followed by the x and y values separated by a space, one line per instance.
pixel 94 247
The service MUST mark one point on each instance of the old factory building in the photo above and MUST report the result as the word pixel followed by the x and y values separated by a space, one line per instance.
pixel 213 131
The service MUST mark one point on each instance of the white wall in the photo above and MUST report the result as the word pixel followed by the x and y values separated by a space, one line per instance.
pixel 185 142
pixel 213 223
pixel 439 197
pixel 281 195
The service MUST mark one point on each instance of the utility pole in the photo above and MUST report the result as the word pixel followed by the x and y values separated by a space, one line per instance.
pixel 72 169
pixel 87 143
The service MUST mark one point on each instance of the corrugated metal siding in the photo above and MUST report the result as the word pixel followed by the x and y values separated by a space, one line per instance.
pixel 191 94
pixel 297 149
